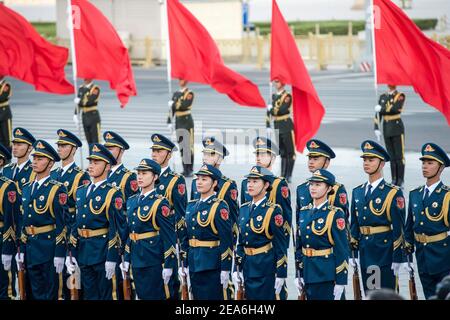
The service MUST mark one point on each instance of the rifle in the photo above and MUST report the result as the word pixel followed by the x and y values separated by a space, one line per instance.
pixel 240 295
pixel 302 293
pixel 73 289
pixel 21 268
pixel 184 286
pixel 126 284
pixel 412 281
pixel 356 284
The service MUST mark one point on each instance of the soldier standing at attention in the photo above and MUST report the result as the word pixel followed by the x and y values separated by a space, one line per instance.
pixel 389 109
pixel 172 186
pixel 322 246
pixel 21 172
pixel 377 220
pixel 261 251
pixel 87 101
pixel 213 154
pixel 427 226
pixel 151 241
pixel 94 241
pixel 43 230
pixel 210 245
pixel 280 112
pixel 319 157
pixel 5 113
pixel 180 107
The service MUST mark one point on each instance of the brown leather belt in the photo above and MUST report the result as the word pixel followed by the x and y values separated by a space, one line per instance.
pixel 4 104
pixel 32 230
pixel 309 252
pixel 139 236
pixel 89 109
pixel 182 113
pixel 423 238
pixel 88 233
pixel 203 244
pixel 255 251
pixel 281 118
pixel 391 118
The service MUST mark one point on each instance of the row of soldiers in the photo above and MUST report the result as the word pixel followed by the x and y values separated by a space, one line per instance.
pixel 110 224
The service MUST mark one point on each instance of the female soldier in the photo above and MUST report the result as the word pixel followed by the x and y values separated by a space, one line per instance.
pixel 322 247
pixel 151 242
pixel 209 249
pixel 261 250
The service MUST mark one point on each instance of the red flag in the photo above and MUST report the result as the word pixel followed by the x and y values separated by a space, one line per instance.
pixel 287 66
pixel 195 57
pixel 100 53
pixel 405 56
pixel 25 55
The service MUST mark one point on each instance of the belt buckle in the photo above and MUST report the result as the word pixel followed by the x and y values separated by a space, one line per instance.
pixel 422 238
pixel 84 233
pixel 309 252
pixel 31 230
pixel 251 251
pixel 133 237
pixel 365 230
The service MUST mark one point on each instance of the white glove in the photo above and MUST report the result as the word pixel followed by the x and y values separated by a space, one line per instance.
pixel 377 108
pixel 170 127
pixel 408 268
pixel 110 268
pixel 76 100
pixel 224 277
pixel 269 107
pixel 183 272
pixel 279 285
pixel 353 262
pixel 378 134
pixel 75 119
pixel 269 131
pixel 58 262
pixel 338 290
pixel 71 265
pixel 166 274
pixel 124 267
pixel 6 260
pixel 396 267
pixel 170 103
pixel 20 258
pixel 237 278
pixel 299 283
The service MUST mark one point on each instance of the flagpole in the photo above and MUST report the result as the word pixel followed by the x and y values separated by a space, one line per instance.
pixel 374 54
pixel 74 72
pixel 169 75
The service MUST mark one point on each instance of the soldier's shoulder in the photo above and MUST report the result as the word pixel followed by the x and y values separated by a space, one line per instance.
pixel 445 187
pixel 309 206
pixel 273 205
pixel 9 165
pixel 55 183
pixel 5 179
pixel 246 204
pixel 417 189
pixel 335 209
pixel 112 186
pixel 392 186
pixel 361 186
pixel 302 185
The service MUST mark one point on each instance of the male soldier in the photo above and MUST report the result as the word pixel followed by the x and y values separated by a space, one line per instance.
pixel 389 108
pixel 87 102
pixel 9 217
pixel 5 157
pixel 180 107
pixel 280 112
pixel 21 172
pixel 319 157
pixel 213 154
pixel 43 231
pixel 125 180
pixel 72 177
pixel 173 187
pixel 5 113
pixel 94 241
pixel 266 152
pixel 427 226
pixel 377 219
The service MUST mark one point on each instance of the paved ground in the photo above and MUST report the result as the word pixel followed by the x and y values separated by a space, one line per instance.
pixel 348 97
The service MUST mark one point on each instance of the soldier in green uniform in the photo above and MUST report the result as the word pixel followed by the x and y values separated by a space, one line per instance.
pixel 388 110
pixel 180 108
pixel 5 113
pixel 87 101
pixel 280 112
